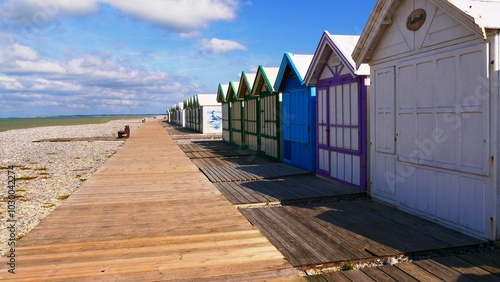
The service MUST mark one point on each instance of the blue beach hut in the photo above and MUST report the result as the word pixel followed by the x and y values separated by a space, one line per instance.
pixel 298 117
pixel 341 93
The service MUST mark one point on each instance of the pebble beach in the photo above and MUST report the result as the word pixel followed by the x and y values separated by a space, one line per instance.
pixel 47 173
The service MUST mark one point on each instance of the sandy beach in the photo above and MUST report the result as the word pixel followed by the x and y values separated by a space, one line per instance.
pixel 47 173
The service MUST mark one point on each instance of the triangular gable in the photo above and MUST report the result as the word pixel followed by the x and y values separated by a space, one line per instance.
pixel 246 83
pixel 475 16
pixel 264 79
pixel 298 64
pixel 336 48
pixel 206 100
pixel 232 91
pixel 221 92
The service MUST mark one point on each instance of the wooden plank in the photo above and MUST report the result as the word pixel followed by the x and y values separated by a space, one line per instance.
pixel 377 274
pixel 441 271
pixel 489 261
pixel 357 275
pixel 228 193
pixel 296 254
pixel 335 277
pixel 470 270
pixel 417 272
pixel 396 273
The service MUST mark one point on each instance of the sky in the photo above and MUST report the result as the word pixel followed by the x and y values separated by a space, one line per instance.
pixel 92 57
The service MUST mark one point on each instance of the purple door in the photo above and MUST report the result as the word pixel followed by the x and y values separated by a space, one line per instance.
pixel 342 132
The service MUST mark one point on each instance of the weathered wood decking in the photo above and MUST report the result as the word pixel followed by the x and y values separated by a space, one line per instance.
pixel 469 267
pixel 349 231
pixel 322 223
pixel 147 214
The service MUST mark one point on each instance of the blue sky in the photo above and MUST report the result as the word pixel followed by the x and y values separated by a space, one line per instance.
pixel 66 57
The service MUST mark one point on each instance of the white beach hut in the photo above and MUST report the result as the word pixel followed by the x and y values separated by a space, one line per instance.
pixel 208 114
pixel 434 118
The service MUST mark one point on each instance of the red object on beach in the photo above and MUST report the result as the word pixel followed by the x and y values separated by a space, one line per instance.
pixel 124 133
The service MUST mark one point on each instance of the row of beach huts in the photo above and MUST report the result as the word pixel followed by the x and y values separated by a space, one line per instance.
pixel 408 111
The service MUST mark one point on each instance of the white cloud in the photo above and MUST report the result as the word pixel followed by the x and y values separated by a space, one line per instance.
pixel 10 83
pixel 41 12
pixel 90 84
pixel 216 45
pixel 180 15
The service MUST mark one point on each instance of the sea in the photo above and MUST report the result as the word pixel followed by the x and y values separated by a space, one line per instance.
pixel 20 123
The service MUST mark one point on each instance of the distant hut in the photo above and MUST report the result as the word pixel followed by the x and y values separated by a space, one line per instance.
pixel 249 117
pixel 341 92
pixel 434 110
pixel 208 114
pixel 181 115
pixel 226 113
pixel 267 111
pixel 236 114
pixel 298 114
pixel 188 109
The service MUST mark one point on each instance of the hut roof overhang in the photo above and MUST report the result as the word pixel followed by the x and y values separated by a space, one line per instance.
pixel 264 78
pixel 297 64
pixel 339 45
pixel 478 16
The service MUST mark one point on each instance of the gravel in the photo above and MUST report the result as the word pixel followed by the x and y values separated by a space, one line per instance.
pixel 49 172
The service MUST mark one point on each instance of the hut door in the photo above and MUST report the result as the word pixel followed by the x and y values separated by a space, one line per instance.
pixel 268 126
pixel 339 133
pixel 323 151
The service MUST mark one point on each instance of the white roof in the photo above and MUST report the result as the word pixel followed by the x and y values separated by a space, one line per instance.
pixel 484 13
pixel 301 63
pixel 207 99
pixel 271 74
pixel 347 43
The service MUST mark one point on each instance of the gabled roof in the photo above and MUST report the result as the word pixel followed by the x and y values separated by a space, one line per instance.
pixel 298 64
pixel 246 83
pixel 232 90
pixel 205 100
pixel 265 77
pixel 340 45
pixel 477 15
pixel 222 92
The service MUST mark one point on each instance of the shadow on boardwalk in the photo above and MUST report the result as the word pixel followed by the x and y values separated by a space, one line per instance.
pixel 321 224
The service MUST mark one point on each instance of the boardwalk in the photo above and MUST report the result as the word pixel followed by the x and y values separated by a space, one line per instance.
pixel 322 224
pixel 147 214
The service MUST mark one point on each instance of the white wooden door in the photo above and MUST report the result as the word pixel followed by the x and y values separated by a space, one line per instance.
pixel 383 158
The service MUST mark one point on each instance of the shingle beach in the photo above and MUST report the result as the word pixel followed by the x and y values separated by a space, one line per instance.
pixel 47 173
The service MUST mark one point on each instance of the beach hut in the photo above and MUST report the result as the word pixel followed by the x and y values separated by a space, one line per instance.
pixel 250 110
pixel 181 114
pixel 341 92
pixel 434 110
pixel 225 105
pixel 186 104
pixel 172 117
pixel 195 113
pixel 208 114
pixel 298 108
pixel 268 111
pixel 236 114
